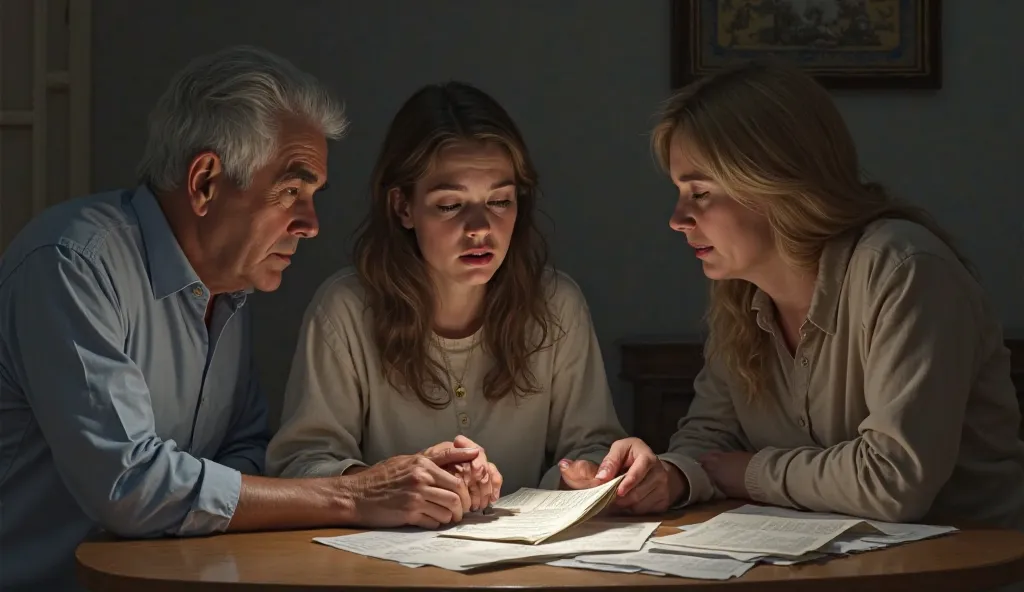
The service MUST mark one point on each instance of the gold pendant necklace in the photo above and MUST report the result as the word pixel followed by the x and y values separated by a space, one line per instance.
pixel 457 388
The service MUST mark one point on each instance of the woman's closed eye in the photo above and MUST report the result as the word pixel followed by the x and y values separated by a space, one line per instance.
pixel 701 195
pixel 448 207
pixel 501 203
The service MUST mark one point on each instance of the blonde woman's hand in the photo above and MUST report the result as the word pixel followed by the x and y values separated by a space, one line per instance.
pixel 648 486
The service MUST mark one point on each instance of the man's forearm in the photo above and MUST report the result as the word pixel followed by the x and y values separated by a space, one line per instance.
pixel 271 504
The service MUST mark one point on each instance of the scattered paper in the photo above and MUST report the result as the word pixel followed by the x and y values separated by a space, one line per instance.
pixel 463 554
pixel 560 532
pixel 538 514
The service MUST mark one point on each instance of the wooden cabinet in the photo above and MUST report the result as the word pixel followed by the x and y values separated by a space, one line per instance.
pixel 661 372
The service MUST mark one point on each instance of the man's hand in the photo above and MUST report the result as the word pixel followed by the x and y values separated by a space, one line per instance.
pixel 482 478
pixel 728 472
pixel 650 485
pixel 412 489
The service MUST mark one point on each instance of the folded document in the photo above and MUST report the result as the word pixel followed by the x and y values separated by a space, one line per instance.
pixel 536 514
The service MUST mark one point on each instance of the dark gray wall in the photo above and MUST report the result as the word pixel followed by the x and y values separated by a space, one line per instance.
pixel 582 78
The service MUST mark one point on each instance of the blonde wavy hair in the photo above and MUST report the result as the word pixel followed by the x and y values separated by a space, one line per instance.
pixel 773 139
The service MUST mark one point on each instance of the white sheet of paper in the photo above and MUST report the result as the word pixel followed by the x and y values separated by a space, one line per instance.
pixel 590 537
pixel 447 553
pixel 575 564
pixel 541 514
pixel 770 535
pixel 684 566
pixel 381 544
pixel 657 545
pixel 889 533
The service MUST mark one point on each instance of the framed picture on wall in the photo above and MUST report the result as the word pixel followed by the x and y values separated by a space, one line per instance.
pixel 844 43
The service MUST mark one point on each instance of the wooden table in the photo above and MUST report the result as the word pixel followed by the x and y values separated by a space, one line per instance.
pixel 973 559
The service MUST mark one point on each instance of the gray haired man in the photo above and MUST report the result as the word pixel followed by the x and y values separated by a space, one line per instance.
pixel 128 397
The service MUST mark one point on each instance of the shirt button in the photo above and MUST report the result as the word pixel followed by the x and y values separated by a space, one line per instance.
pixel 463 419
pixel 802 422
pixel 804 362
pixel 197 291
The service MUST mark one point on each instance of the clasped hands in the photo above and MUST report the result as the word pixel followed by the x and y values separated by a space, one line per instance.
pixel 437 486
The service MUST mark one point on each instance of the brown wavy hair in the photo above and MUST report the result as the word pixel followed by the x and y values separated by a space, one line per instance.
pixel 399 290
pixel 772 137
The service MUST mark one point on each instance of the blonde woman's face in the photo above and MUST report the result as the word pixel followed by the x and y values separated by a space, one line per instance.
pixel 731 240
pixel 463 212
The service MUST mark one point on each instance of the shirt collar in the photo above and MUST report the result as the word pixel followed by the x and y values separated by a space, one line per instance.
pixel 169 269
pixel 832 266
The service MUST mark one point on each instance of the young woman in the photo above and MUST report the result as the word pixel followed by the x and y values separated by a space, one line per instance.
pixel 451 329
pixel 853 362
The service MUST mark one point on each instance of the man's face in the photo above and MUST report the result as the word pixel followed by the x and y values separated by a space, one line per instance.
pixel 249 235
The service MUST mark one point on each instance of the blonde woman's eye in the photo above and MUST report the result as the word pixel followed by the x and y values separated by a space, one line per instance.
pixel 700 195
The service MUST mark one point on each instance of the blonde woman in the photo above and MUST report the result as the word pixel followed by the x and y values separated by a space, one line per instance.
pixel 853 362
pixel 451 330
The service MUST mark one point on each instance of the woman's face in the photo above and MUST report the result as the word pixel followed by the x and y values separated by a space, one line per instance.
pixel 731 240
pixel 463 212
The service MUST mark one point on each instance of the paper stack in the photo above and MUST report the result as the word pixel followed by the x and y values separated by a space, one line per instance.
pixel 779 536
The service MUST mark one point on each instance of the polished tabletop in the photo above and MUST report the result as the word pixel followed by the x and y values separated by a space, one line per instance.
pixel 972 559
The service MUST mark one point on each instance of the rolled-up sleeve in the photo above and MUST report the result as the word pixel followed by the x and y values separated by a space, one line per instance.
pixel 918 376
pixel 583 423
pixel 709 425
pixel 94 409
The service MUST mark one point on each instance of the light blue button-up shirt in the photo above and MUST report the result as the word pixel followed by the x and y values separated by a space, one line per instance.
pixel 119 409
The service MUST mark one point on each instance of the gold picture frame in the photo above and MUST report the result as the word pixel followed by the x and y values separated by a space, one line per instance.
pixel 862 44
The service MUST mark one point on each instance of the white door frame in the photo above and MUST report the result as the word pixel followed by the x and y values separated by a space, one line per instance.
pixel 75 80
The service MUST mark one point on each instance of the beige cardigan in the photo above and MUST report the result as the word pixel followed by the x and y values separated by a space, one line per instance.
pixel 897 404
pixel 339 410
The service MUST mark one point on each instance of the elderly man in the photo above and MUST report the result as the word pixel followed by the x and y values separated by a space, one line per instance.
pixel 128 397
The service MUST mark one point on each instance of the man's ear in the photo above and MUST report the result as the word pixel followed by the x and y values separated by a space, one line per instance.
pixel 205 173
pixel 401 206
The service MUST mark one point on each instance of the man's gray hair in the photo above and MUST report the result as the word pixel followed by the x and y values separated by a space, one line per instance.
pixel 230 102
